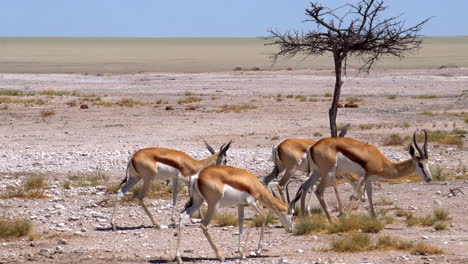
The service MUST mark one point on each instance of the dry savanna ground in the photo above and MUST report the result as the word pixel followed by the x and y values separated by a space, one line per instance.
pixel 66 139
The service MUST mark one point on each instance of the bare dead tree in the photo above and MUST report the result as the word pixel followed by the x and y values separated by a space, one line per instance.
pixel 360 32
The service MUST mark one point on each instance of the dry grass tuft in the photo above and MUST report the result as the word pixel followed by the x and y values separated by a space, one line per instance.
pixel 14 227
pixel 363 222
pixel 128 102
pixel 353 100
pixel 393 139
pixel 309 224
pixel 47 112
pixel 189 100
pixel 425 96
pixel 33 188
pixel 225 219
pixel 423 249
pixel 257 220
pixel 354 242
pixel 236 108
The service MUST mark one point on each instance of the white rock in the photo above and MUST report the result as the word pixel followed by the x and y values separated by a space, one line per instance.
pixel 424 237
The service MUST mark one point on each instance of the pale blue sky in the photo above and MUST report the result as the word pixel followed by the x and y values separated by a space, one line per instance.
pixel 197 18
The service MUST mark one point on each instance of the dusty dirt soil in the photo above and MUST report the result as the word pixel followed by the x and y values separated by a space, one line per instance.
pixel 72 225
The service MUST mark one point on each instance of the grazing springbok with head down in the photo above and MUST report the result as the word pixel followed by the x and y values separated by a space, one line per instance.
pixel 226 186
pixel 346 155
pixel 289 156
pixel 162 164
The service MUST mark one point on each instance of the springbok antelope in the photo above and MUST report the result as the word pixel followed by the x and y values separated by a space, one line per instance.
pixel 338 155
pixel 290 156
pixel 226 186
pixel 161 164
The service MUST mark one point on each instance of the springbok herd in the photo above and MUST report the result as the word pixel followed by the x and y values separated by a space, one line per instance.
pixel 210 180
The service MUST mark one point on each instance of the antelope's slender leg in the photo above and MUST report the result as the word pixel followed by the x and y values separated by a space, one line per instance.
pixel 129 184
pixel 141 196
pixel 319 192
pixel 175 189
pixel 262 230
pixel 212 208
pixel 240 213
pixel 337 194
pixel 357 192
pixel 368 188
pixel 284 180
pixel 196 202
pixel 306 186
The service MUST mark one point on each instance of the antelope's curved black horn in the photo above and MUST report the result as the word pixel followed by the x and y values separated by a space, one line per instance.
pixel 426 154
pixel 416 145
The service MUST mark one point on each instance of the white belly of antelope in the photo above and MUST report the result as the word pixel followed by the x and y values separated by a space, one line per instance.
pixel 233 196
pixel 164 171
pixel 345 165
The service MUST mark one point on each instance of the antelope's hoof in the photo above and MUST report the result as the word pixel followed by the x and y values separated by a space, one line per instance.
pixel 221 258
pixel 114 228
pixel 179 260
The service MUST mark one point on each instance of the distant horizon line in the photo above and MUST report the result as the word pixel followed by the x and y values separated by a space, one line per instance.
pixel 180 36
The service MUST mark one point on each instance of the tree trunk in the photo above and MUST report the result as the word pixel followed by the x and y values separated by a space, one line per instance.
pixel 332 112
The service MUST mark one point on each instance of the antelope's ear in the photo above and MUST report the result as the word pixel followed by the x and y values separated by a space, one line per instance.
pixel 411 151
pixel 210 149
pixel 225 148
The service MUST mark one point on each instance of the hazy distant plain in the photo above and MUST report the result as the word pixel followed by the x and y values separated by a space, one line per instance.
pixel 130 55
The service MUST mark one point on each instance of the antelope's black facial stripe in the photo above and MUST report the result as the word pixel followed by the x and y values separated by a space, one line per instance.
pixel 421 165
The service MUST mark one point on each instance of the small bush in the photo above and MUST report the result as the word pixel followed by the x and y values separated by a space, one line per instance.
pixel 353 243
pixel 14 228
pixel 393 139
pixel 317 134
pixel 4 107
pixel 328 94
pixel 391 97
